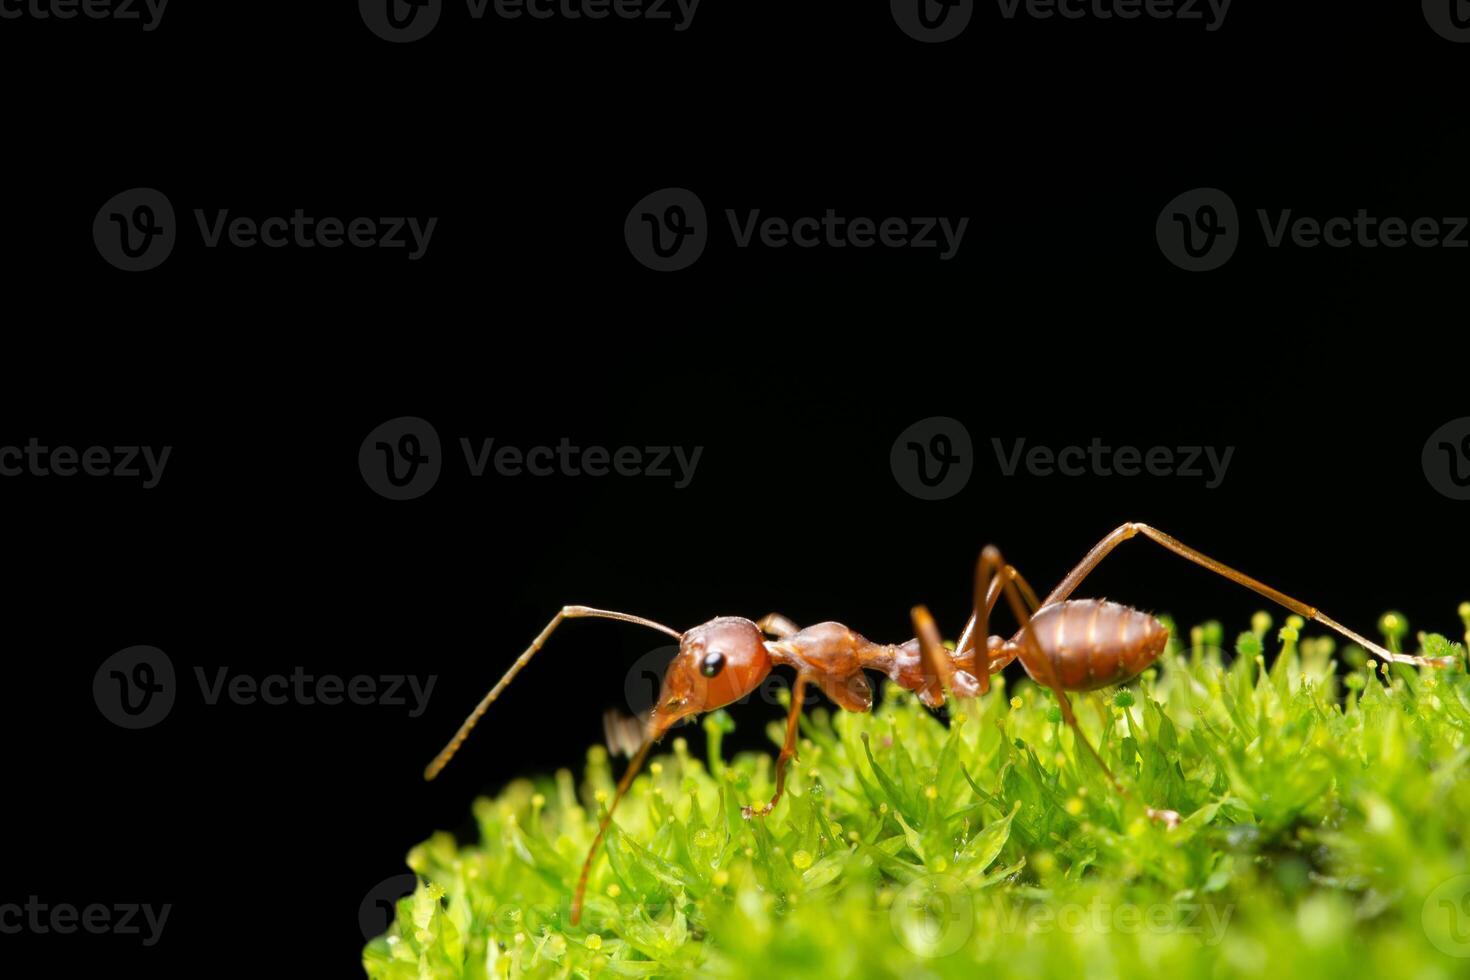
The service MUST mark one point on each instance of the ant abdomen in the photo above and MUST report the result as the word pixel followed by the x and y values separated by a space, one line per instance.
pixel 1093 643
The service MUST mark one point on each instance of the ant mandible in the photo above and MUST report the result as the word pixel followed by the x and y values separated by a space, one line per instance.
pixel 1064 644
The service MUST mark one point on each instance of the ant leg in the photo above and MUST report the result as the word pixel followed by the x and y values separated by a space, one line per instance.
pixel 1029 593
pixel 991 577
pixel 602 825
pixel 1125 531
pixel 777 625
pixel 788 751
pixel 992 593
pixel 1039 666
pixel 1037 663
pixel 931 648
pixel 1170 818
pixel 1070 717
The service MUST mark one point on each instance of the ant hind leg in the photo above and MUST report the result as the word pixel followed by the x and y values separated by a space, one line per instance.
pixel 1039 666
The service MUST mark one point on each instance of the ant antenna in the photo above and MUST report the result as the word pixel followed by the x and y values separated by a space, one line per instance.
pixel 567 612
pixel 602 825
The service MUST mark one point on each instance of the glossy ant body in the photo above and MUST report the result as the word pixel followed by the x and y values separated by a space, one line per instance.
pixel 1064 644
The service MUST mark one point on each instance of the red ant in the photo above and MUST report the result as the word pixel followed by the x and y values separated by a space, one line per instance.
pixel 1064 644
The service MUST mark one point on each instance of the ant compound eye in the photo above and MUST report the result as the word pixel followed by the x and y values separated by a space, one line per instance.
pixel 712 664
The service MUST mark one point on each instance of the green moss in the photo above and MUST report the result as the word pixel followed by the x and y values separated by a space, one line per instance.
pixel 1325 834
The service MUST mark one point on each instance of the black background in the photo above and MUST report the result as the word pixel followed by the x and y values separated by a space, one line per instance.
pixel 528 321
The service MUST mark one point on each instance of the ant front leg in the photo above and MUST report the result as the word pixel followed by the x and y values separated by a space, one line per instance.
pixel 788 750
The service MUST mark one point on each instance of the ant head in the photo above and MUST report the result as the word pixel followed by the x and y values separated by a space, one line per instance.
pixel 719 662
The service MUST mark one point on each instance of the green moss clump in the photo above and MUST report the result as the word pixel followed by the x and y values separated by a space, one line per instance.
pixel 1324 834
